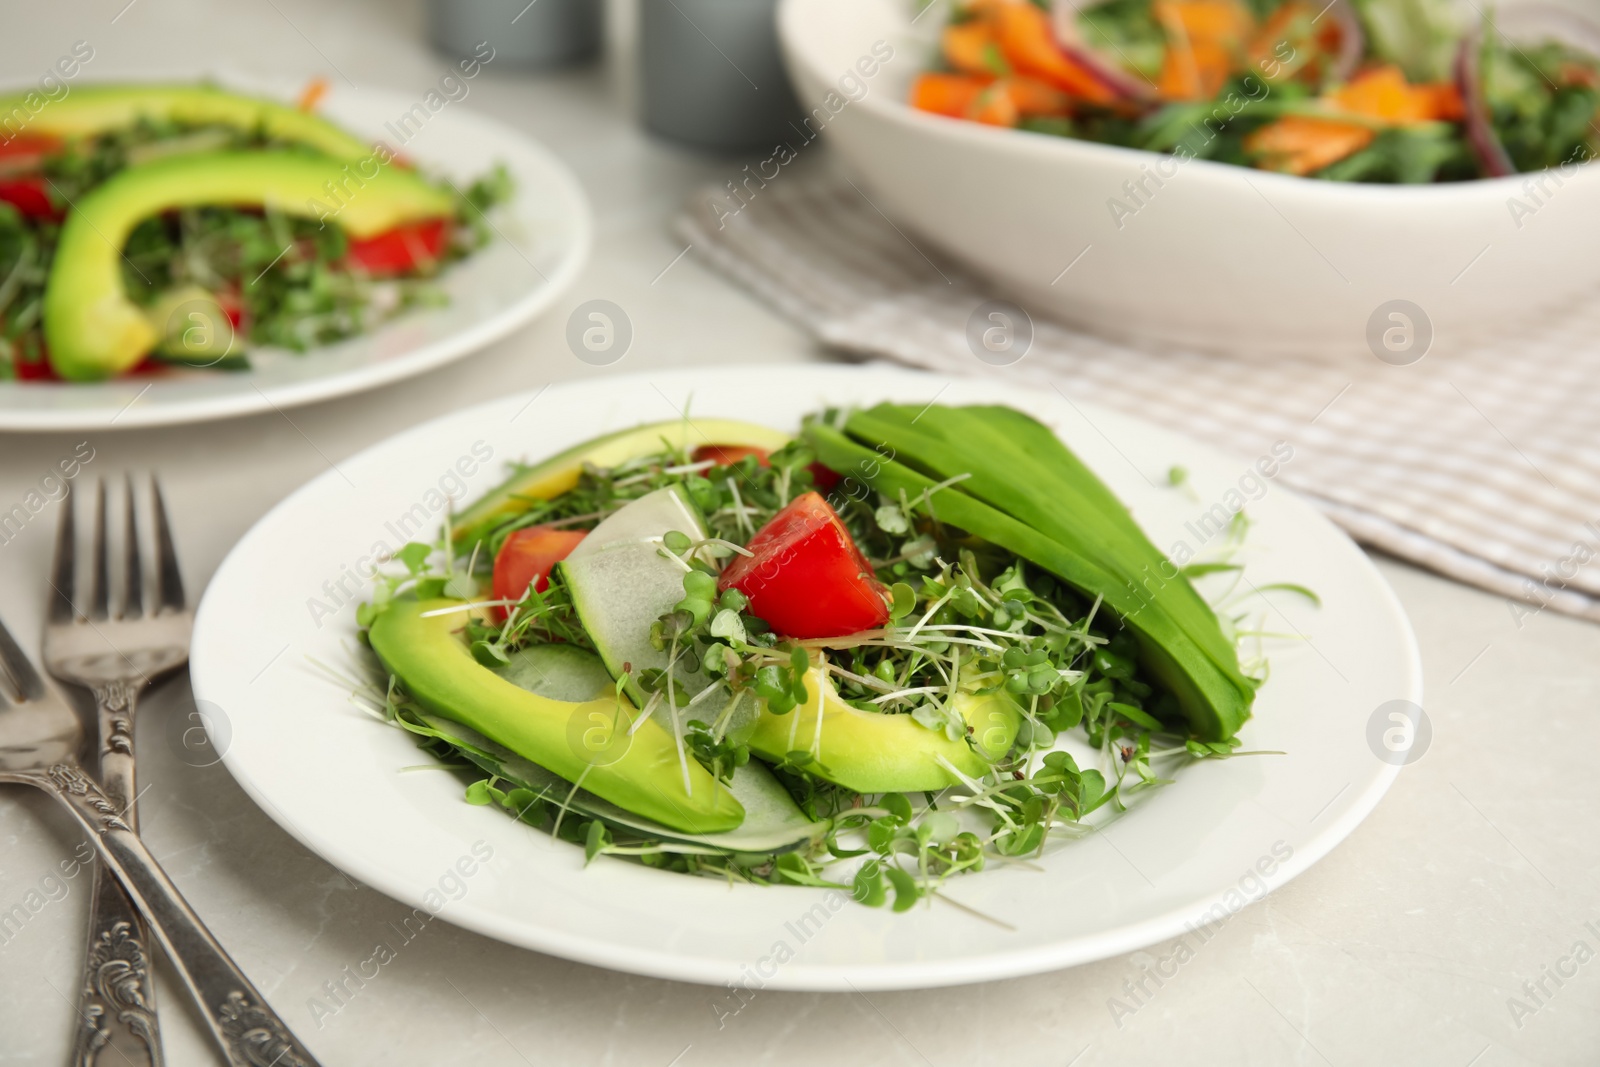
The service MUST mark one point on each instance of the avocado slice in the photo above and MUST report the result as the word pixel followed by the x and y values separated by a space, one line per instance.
pixel 560 472
pixel 94 331
pixel 93 109
pixel 773 822
pixel 872 752
pixel 1212 694
pixel 432 662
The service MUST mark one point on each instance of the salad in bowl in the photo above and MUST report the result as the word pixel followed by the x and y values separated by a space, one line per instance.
pixel 1352 90
pixel 909 641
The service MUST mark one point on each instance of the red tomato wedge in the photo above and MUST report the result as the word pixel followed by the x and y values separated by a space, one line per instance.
pixel 727 455
pixel 404 248
pixel 807 578
pixel 24 153
pixel 527 558
pixel 40 371
pixel 29 195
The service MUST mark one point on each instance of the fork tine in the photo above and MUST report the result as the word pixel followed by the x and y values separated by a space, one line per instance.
pixel 63 570
pixel 169 582
pixel 100 591
pixel 133 564
pixel 23 677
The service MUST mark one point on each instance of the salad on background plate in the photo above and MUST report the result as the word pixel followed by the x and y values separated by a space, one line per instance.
pixel 1405 91
pixel 909 642
pixel 145 227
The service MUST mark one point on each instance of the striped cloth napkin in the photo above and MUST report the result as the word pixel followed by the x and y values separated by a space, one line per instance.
pixel 1482 463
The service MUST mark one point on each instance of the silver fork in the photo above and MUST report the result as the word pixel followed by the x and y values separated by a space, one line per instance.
pixel 115 656
pixel 40 736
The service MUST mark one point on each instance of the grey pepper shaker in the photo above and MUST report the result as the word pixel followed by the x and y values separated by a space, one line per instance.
pixel 711 74
pixel 523 33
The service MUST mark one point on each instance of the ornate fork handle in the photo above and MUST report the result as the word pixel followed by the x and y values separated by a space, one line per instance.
pixel 249 1031
pixel 116 999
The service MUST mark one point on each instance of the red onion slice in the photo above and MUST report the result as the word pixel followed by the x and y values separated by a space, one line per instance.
pixel 1481 138
pixel 1352 40
pixel 1104 69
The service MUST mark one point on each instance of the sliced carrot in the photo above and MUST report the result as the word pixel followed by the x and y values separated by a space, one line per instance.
pixel 1222 21
pixel 1029 45
pixel 1444 100
pixel 1383 93
pixel 1379 93
pixel 1281 25
pixel 1206 39
pixel 947 94
pixel 970 48
pixel 994 106
pixel 966 96
pixel 311 96
pixel 1300 145
pixel 1034 97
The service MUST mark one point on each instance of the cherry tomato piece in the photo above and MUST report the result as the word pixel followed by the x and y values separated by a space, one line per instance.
pixel 727 455
pixel 29 195
pixel 24 153
pixel 37 371
pixel 807 578
pixel 402 249
pixel 527 557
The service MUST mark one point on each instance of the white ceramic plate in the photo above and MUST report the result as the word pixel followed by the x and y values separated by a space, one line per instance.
pixel 543 240
pixel 334 777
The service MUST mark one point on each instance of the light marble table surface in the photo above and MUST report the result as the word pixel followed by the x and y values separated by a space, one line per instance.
pixel 1407 945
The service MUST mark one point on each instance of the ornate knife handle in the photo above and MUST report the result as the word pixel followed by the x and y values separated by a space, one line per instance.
pixel 249 1031
pixel 116 997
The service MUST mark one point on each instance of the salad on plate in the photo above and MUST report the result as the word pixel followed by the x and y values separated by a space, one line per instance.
pixel 911 641
pixel 150 227
pixel 1405 91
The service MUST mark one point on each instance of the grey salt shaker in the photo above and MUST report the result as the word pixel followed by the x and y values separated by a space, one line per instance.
pixel 543 33
pixel 711 75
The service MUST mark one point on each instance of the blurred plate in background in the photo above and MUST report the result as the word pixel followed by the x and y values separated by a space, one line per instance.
pixel 542 240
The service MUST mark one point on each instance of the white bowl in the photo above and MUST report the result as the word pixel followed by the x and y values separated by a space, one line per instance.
pixel 1215 256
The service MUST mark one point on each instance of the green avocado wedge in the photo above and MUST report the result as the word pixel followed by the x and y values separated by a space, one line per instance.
pixel 428 657
pixel 91 327
pixel 94 109
pixel 773 822
pixel 560 472
pixel 871 752
pixel 1214 697
pixel 1030 475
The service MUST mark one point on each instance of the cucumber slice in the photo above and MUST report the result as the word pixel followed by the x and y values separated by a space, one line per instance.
pixel 621 583
pixel 560 672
